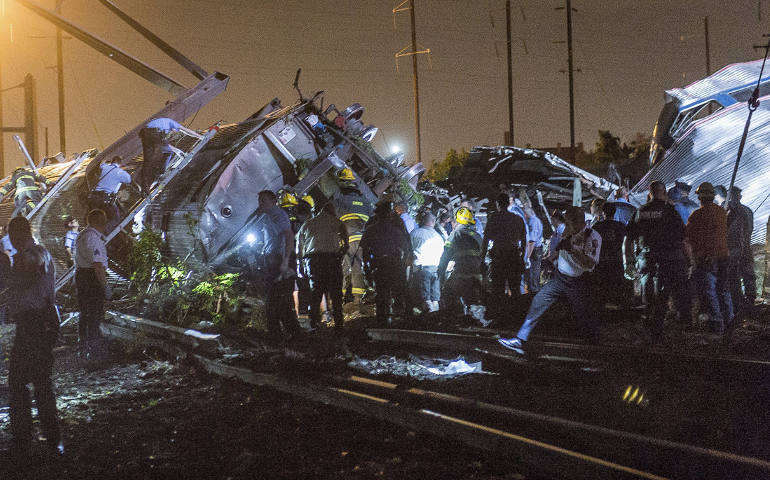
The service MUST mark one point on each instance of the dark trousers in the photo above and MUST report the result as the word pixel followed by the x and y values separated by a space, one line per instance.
pixel 425 284
pixel 503 269
pixel 352 266
pixel 710 276
pixel 533 281
pixel 390 286
pixel 325 279
pixel 279 303
pixel 155 159
pixel 663 278
pixel 25 201
pixel 31 362
pixel 741 269
pixel 91 301
pixel 574 289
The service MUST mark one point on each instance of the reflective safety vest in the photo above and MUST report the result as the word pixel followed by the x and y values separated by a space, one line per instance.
pixel 22 180
pixel 354 211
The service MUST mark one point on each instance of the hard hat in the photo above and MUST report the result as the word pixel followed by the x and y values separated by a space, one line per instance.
pixel 309 200
pixel 705 189
pixel 464 216
pixel 346 174
pixel 288 199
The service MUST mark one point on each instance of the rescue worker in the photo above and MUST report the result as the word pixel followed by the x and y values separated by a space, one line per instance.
pixel 427 248
pixel 675 199
pixel 579 253
pixel 91 280
pixel 387 250
pixel 687 204
pixel 104 196
pixel 609 274
pixel 156 149
pixel 706 241
pixel 71 236
pixel 462 287
pixel 28 192
pixel 534 254
pixel 31 296
pixel 508 235
pixel 656 237
pixel 275 263
pixel 354 211
pixel 321 243
pixel 720 196
pixel 740 225
pixel 299 211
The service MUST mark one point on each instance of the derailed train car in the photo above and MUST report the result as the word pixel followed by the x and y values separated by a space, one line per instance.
pixel 698 132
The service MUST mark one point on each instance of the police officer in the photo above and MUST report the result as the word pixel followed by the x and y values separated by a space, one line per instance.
pixel 28 193
pixel 354 211
pixel 321 242
pixel 91 280
pixel 462 287
pixel 508 235
pixel 31 288
pixel 156 149
pixel 104 195
pixel 387 250
pixel 740 225
pixel 656 236
pixel 610 282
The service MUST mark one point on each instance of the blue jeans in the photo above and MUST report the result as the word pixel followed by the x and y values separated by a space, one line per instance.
pixel 710 277
pixel 426 284
pixel 574 289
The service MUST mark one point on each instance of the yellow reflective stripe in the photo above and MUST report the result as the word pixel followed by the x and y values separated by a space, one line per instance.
pixel 354 216
pixel 358 291
pixel 354 238
pixel 21 177
pixel 357 203
pixel 27 189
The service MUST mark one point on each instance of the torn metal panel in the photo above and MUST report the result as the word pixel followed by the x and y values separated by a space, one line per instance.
pixel 694 146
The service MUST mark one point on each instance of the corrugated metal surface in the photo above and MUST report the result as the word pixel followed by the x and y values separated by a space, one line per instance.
pixel 707 153
pixel 722 81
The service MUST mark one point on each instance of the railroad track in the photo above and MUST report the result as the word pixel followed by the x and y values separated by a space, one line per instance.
pixel 534 444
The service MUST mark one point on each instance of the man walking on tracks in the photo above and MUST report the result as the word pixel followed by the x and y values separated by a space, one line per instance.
pixel 31 289
pixel 578 254
pixel 91 279
pixel 28 192
pixel 656 235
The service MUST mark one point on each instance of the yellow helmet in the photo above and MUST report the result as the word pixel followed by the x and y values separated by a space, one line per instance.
pixel 309 200
pixel 288 199
pixel 464 216
pixel 346 174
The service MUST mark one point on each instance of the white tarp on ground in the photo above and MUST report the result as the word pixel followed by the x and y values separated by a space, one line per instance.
pixel 419 367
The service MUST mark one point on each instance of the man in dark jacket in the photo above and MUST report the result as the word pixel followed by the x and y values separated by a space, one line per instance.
pixel 387 250
pixel 611 285
pixel 31 289
pixel 656 236
pixel 740 225
pixel 508 235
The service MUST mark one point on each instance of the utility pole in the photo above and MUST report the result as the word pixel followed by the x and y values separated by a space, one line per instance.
pixel 571 83
pixel 416 83
pixel 413 53
pixel 2 130
pixel 60 82
pixel 708 47
pixel 510 72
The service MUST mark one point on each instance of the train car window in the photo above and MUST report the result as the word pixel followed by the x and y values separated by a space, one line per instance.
pixel 686 117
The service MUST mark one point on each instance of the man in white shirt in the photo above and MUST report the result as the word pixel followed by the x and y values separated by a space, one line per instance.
pixel 104 195
pixel 578 253
pixel 91 278
pixel 427 247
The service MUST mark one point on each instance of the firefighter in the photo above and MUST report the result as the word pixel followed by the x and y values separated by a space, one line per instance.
pixel 354 211
pixel 28 192
pixel 298 211
pixel 386 250
pixel 463 286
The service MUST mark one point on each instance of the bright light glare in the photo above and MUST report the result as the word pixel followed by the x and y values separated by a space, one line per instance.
pixel 251 238
pixel 395 149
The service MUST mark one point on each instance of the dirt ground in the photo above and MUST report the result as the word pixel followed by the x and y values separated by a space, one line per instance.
pixel 142 417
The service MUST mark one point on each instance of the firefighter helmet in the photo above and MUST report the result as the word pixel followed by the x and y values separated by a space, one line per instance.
pixel 464 216
pixel 288 199
pixel 705 189
pixel 309 200
pixel 346 174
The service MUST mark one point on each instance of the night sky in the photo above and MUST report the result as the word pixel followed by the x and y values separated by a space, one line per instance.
pixel 628 53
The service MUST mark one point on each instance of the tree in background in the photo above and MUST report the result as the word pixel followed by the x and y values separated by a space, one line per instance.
pixel 439 170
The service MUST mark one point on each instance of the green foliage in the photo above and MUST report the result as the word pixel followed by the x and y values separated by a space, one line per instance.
pixel 412 197
pixel 215 296
pixel 146 259
pixel 439 170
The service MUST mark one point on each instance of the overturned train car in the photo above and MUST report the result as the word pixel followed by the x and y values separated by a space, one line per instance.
pixel 207 212
pixel 698 132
